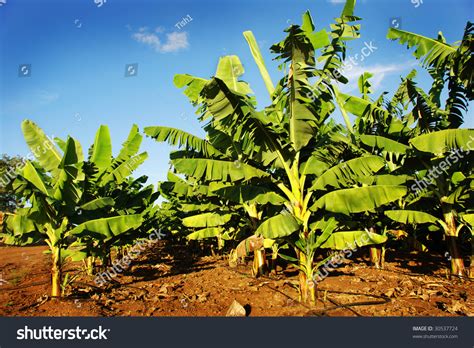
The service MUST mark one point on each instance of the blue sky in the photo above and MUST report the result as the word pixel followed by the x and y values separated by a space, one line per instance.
pixel 78 51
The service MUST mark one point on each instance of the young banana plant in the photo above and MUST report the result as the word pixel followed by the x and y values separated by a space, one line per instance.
pixel 53 187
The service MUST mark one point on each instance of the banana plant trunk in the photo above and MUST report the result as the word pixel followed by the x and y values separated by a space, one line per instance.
pixel 56 273
pixel 471 267
pixel 377 254
pixel 90 265
pixel 220 243
pixel 307 283
pixel 259 266
pixel 457 262
pixel 106 257
pixel 273 261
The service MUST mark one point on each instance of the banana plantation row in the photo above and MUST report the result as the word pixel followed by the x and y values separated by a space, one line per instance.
pixel 283 181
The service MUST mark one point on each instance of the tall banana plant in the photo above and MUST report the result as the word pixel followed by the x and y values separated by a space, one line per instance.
pixel 229 151
pixel 52 191
pixel 274 148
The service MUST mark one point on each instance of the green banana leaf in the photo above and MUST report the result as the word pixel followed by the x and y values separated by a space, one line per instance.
pixel 229 69
pixel 302 118
pixel 125 169
pixel 199 207
pixel 327 227
pixel 432 52
pixel 278 226
pixel 351 240
pixel 207 220
pixel 469 218
pixel 131 146
pixel 217 170
pixel 384 144
pixel 108 227
pixel 257 56
pixel 31 175
pixel 70 156
pixel 102 149
pixel 250 194
pixel 314 166
pixel 348 10
pixel 359 199
pixel 385 179
pixel 63 146
pixel 318 39
pixel 20 224
pixel 98 203
pixel 41 146
pixel 180 138
pixel 342 173
pixel 445 140
pixel 361 107
pixel 206 233
pixel 194 86
pixel 411 217
pixel 183 189
pixel 65 187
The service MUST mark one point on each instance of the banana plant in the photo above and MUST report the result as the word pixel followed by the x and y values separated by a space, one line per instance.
pixel 109 190
pixel 450 190
pixel 228 149
pixel 386 127
pixel 447 182
pixel 52 190
pixel 202 214
pixel 274 146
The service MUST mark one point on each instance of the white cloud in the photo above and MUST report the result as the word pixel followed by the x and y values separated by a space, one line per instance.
pixel 379 71
pixel 175 41
pixel 337 1
pixel 148 39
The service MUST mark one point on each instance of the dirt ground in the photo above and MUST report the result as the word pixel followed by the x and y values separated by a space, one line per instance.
pixel 159 284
